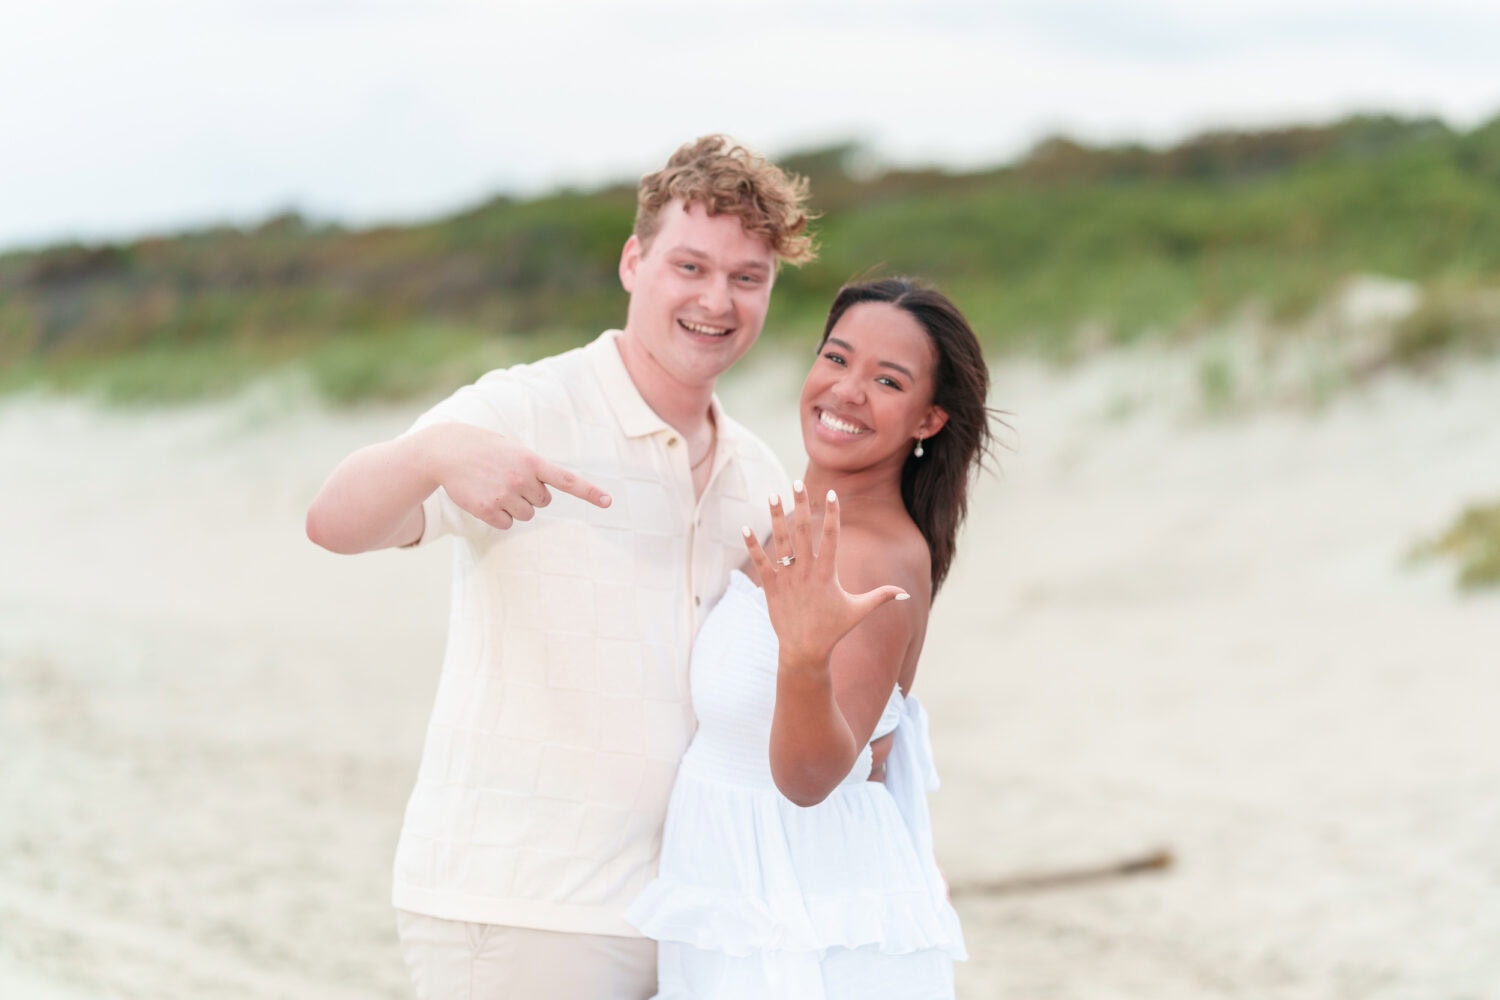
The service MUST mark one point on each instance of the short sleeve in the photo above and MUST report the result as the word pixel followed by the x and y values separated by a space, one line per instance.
pixel 500 401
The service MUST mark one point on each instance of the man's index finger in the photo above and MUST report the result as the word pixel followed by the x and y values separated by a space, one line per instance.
pixel 572 483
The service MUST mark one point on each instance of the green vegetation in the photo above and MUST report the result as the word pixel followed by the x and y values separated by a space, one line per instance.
pixel 1447 320
pixel 1068 248
pixel 1474 541
pixel 1216 383
pixel 344 368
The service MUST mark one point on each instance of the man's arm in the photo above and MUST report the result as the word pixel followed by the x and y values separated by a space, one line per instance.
pixel 373 498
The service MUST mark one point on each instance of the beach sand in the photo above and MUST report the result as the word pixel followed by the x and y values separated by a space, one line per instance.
pixel 1168 628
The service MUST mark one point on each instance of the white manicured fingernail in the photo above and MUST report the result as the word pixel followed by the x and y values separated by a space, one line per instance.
pixel 832 497
pixel 775 500
pixel 746 530
pixel 797 487
pixel 903 596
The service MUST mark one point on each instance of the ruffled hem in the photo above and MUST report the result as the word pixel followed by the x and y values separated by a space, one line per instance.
pixel 746 872
pixel 897 923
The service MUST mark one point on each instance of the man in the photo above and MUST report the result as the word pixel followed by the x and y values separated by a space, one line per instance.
pixel 596 499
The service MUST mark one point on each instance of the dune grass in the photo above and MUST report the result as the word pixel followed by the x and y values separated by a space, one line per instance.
pixel 1067 249
pixel 343 368
pixel 1473 541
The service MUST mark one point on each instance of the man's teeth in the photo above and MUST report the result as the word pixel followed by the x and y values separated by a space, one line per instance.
pixel 829 420
pixel 712 331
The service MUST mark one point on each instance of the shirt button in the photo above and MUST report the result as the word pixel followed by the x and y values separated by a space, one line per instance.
pixel 671 442
pixel 697 602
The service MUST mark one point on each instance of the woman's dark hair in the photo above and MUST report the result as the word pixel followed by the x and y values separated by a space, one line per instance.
pixel 935 487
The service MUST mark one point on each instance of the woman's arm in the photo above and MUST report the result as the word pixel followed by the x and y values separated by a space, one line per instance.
pixel 826 712
pixel 840 653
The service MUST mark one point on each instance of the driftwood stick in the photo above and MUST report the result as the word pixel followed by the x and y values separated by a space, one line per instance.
pixel 1152 861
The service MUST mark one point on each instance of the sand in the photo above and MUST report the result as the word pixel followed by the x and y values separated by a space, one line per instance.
pixel 1168 627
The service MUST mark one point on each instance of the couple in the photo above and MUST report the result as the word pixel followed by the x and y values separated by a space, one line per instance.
pixel 611 521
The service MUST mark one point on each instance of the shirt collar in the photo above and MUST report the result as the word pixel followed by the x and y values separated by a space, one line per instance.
pixel 635 415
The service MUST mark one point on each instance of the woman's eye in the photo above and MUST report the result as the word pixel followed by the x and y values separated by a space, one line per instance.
pixel 837 359
pixel 887 380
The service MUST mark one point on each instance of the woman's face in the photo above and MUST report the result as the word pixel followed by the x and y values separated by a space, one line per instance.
pixel 869 394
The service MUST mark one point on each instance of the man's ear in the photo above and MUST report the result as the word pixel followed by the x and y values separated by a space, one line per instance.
pixel 630 260
pixel 935 420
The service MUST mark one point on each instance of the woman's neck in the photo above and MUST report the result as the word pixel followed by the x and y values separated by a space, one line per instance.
pixel 873 487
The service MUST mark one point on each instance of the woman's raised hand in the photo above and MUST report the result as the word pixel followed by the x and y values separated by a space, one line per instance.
pixel 810 609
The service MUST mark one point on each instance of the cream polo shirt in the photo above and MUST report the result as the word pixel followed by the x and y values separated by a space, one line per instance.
pixel 563 710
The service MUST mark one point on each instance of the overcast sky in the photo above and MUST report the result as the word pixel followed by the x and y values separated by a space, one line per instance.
pixel 121 118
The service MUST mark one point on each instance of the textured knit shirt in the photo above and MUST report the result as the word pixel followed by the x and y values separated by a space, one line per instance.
pixel 563 706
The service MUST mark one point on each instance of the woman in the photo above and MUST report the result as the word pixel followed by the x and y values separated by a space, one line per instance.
pixel 797 859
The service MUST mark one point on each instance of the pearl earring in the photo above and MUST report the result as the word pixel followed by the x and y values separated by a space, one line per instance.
pixel 918 452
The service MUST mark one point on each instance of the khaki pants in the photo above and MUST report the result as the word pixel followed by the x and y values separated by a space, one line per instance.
pixel 450 960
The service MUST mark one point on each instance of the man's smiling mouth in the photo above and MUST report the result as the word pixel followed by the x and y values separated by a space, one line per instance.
pixel 705 329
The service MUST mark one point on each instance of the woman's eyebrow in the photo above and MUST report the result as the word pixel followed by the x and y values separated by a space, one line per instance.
pixel 848 348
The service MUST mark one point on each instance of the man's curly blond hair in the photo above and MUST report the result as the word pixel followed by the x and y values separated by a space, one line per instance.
pixel 727 179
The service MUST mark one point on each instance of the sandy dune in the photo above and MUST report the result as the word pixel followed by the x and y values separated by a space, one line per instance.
pixel 1165 629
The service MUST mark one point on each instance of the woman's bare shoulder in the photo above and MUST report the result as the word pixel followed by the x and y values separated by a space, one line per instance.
pixel 876 553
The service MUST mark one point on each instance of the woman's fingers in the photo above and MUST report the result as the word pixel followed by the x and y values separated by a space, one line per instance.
pixel 758 557
pixel 801 523
pixel 781 539
pixel 828 548
pixel 866 603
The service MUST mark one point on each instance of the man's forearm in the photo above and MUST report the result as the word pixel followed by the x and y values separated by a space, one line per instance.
pixel 373 498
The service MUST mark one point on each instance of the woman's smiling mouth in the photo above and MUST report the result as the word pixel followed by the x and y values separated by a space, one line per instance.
pixel 838 424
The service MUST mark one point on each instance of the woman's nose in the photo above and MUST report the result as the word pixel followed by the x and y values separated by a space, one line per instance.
pixel 849 389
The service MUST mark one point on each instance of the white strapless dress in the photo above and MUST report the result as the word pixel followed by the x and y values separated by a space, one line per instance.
pixel 757 897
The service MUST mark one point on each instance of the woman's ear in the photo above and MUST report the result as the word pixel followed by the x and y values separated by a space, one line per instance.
pixel 936 418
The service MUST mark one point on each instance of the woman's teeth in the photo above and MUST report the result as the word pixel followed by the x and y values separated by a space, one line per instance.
pixel 834 423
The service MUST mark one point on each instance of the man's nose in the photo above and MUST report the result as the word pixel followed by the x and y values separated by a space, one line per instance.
pixel 715 297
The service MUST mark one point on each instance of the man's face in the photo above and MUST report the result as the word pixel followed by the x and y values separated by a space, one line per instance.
pixel 698 293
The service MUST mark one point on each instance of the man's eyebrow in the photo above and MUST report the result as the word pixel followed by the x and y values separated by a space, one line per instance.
pixel 748 265
pixel 848 348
